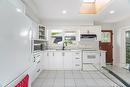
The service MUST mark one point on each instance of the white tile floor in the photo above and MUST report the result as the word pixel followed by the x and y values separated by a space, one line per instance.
pixel 73 79
pixel 121 72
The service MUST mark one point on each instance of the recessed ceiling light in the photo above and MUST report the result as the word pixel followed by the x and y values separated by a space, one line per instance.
pixel 112 12
pixel 64 12
pixel 18 10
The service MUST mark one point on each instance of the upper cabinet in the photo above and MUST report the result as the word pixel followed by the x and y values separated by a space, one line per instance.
pixel 20 7
pixel 42 32
pixel 35 30
pixel 92 30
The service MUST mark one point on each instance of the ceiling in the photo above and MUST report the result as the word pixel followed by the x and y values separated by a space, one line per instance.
pixel 51 10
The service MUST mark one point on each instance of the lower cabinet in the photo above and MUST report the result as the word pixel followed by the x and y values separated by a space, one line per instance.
pixel 68 60
pixel 61 60
pixel 35 71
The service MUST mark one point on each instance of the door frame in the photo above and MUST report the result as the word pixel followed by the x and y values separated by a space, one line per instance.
pixel 111 42
pixel 123 47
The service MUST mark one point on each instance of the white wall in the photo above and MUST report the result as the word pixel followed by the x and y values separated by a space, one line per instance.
pixel 106 26
pixel 31 11
pixel 119 41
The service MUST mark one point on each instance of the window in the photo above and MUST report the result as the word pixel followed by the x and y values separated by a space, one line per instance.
pixel 106 37
pixel 56 37
pixel 128 47
pixel 70 37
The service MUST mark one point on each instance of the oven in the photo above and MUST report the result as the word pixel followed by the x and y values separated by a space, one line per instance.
pixel 90 59
pixel 90 56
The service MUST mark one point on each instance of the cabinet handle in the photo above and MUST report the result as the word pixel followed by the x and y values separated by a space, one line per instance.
pixel 38 62
pixel 38 56
pixel 76 53
pixel 63 54
pixel 77 58
pixel 77 65
pixel 53 53
pixel 47 54
pixel 34 59
pixel 38 70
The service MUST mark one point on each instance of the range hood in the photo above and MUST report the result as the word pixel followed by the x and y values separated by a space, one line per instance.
pixel 88 36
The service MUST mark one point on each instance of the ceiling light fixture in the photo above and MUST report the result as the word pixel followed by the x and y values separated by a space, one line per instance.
pixel 112 12
pixel 18 10
pixel 64 12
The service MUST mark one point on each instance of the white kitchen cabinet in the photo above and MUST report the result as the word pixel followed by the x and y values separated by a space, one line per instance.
pixel 77 62
pixel 35 31
pixel 61 60
pixel 103 58
pixel 58 60
pixel 51 60
pixel 68 60
pixel 45 60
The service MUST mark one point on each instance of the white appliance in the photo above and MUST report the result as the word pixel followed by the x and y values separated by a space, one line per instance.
pixel 91 60
pixel 15 42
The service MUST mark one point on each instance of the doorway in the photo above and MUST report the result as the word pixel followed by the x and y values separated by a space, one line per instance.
pixel 127 44
pixel 107 45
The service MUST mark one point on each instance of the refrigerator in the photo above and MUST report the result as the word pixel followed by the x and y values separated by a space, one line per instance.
pixel 15 43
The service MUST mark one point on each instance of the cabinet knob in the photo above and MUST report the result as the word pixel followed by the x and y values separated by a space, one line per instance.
pixel 38 62
pixel 47 54
pixel 63 54
pixel 77 65
pixel 77 58
pixel 76 53
pixel 38 70
pixel 53 53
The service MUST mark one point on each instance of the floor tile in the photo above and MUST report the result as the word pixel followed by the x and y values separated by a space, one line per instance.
pixel 91 83
pixel 74 79
pixel 69 76
pixel 69 82
pixel 38 83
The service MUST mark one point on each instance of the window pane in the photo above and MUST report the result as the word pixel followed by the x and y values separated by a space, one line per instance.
pixel 106 37
pixel 70 37
pixel 56 37
pixel 128 47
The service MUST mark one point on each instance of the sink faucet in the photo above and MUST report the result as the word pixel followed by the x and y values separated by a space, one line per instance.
pixel 63 48
pixel 64 44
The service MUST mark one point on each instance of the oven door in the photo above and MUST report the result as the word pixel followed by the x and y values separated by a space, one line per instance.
pixel 90 57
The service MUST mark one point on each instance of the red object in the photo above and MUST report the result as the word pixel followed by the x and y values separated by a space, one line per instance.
pixel 23 82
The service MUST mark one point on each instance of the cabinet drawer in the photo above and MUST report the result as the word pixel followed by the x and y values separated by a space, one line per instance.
pixel 77 67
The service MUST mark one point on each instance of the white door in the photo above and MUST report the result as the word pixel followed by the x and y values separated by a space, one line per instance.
pixel 68 60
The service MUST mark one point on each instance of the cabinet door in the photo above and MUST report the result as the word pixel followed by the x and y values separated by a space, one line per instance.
pixel 51 60
pixel 45 60
pixel 35 30
pixel 68 60
pixel 58 60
